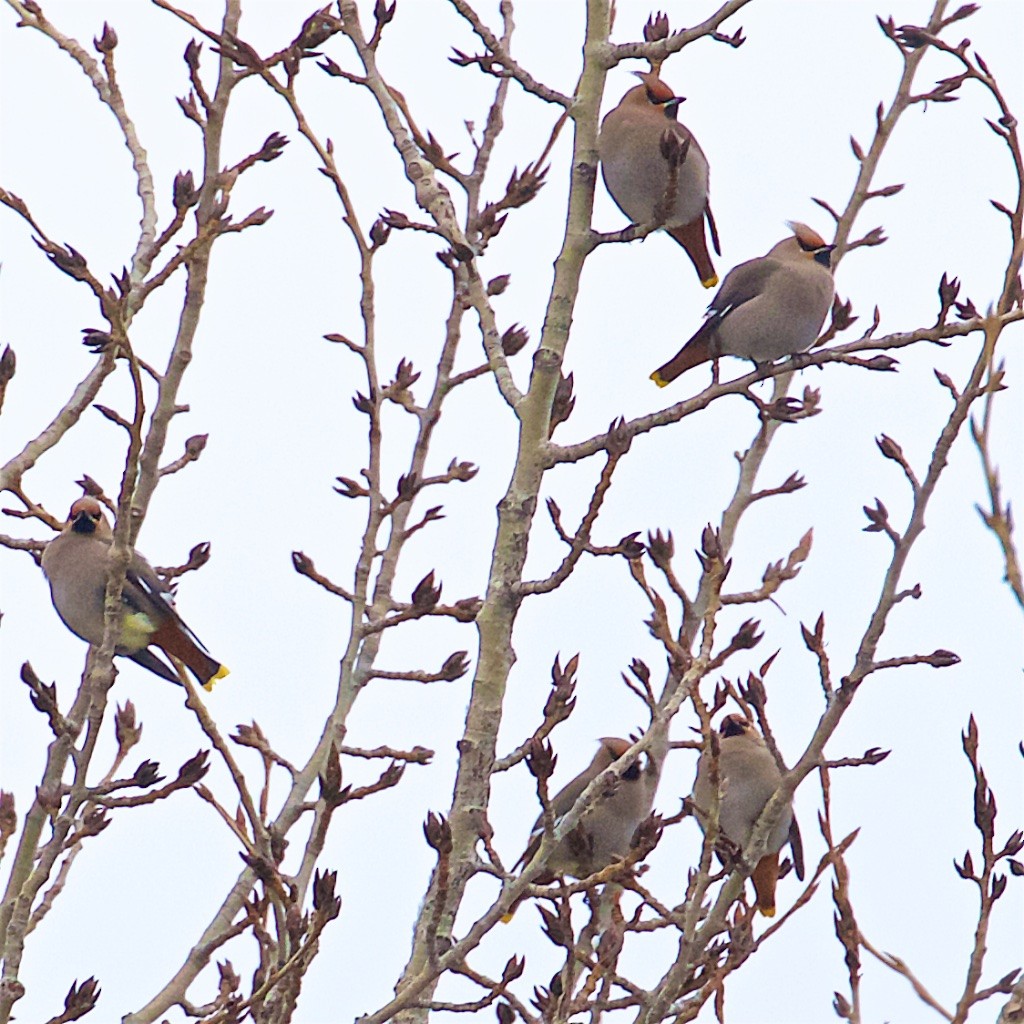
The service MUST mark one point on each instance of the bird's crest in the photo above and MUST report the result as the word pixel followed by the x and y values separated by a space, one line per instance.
pixel 657 91
pixel 808 238
pixel 615 745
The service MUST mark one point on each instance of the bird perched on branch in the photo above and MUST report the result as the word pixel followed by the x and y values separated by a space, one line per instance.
pixel 768 307
pixel 605 831
pixel 642 147
pixel 748 776
pixel 75 564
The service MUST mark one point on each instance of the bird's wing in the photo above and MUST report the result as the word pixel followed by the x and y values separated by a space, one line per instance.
pixel 744 282
pixel 796 844
pixel 561 804
pixel 147 659
pixel 713 228
pixel 145 592
pixel 143 575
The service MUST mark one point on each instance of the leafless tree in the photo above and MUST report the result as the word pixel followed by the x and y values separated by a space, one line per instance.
pixel 285 896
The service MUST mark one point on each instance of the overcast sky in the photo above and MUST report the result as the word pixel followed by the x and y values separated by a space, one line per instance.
pixel 774 118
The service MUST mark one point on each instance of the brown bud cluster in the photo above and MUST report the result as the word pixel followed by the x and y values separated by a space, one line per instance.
pixel 498 284
pixel 107 41
pixel 455 666
pixel 438 833
pixel 425 595
pixel 8 817
pixel 514 340
pixel 147 775
pixel 561 700
pixel 194 769
pixel 316 30
pixel 81 999
pixel 7 366
pixel 186 195
pixel 541 759
pixel 657 27
pixel 563 404
pixel 330 778
pixel 557 930
pixel 325 902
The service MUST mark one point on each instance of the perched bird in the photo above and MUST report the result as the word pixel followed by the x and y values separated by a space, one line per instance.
pixel 768 307
pixel 636 171
pixel 75 564
pixel 748 776
pixel 604 833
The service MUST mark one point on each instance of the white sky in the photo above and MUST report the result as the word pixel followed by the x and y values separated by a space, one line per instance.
pixel 774 118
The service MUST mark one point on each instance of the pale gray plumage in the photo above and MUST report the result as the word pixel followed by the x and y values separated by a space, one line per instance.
pixel 636 172
pixel 748 776
pixel 768 307
pixel 75 564
pixel 605 831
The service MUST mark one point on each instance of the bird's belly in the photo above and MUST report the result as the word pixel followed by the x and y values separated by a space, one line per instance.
pixel 737 825
pixel 749 334
pixel 637 190
pixel 82 615
pixel 80 625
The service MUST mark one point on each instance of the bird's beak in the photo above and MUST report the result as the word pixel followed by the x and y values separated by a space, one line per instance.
pixel 672 106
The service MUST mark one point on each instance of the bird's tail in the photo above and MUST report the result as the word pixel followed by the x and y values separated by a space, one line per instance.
pixel 691 238
pixel 765 875
pixel 697 350
pixel 172 640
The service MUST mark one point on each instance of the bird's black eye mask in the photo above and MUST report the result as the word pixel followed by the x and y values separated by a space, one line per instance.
pixel 820 253
pixel 671 106
pixel 731 727
pixel 84 523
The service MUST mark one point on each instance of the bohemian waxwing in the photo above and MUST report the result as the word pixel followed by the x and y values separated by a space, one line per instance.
pixel 768 307
pixel 748 776
pixel 636 172
pixel 604 833
pixel 75 563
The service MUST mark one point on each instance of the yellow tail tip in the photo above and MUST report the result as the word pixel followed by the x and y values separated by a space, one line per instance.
pixel 710 282
pixel 658 379
pixel 505 918
pixel 216 678
pixel 767 911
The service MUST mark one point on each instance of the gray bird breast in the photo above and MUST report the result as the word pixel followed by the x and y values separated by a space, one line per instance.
pixel 738 817
pixel 612 840
pixel 638 184
pixel 77 596
pixel 749 776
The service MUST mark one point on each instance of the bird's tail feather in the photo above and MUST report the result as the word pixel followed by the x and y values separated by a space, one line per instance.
pixel 697 350
pixel 691 238
pixel 173 641
pixel 765 875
